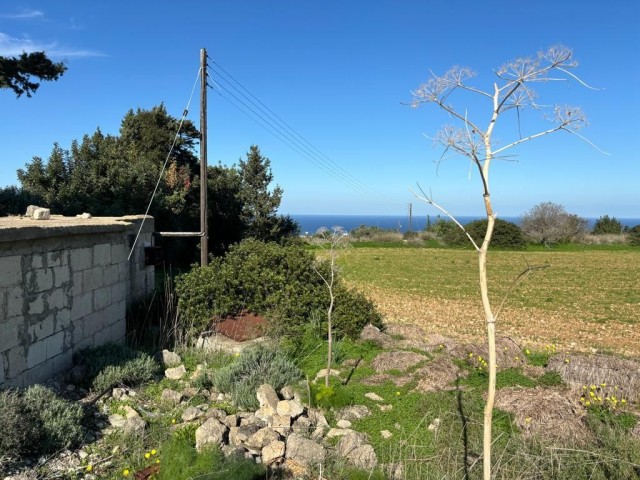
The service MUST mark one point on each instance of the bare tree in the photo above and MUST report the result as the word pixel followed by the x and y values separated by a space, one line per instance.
pixel 548 223
pixel 512 91
pixel 333 241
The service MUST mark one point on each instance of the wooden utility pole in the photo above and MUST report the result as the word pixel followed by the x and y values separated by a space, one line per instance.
pixel 411 217
pixel 204 228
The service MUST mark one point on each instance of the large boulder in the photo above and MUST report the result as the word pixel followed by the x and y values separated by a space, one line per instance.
pixel 211 432
pixel 304 451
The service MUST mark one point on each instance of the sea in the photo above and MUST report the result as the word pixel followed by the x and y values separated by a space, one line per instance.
pixel 309 224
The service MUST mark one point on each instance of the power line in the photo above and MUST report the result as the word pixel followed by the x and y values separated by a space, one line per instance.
pixel 287 134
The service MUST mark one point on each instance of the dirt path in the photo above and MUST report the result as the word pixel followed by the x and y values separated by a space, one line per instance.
pixel 528 326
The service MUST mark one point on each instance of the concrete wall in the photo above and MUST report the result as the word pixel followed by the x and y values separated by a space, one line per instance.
pixel 65 284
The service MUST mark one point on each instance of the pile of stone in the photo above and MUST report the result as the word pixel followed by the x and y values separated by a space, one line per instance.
pixel 283 432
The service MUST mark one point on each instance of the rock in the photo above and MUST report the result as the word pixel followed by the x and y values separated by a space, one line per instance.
pixel 304 451
pixel 262 438
pixel 302 425
pixel 30 210
pixel 434 426
pixel 41 214
pixel 289 408
pixel 386 434
pixel 232 451
pixel 317 417
pixel 363 457
pixel 323 373
pixel 374 334
pixel 83 215
pixel 230 420
pixel 338 432
pixel 355 412
pixel 120 394
pixel 168 358
pixel 191 413
pixel 287 392
pixel 273 452
pixel 218 414
pixel 117 421
pixel 281 424
pixel 210 432
pixel 134 426
pixel 385 408
pixel 254 420
pixel 344 424
pixel 171 396
pixel 394 471
pixel 268 399
pixel 374 396
pixel 239 435
pixel 175 373
pixel 349 442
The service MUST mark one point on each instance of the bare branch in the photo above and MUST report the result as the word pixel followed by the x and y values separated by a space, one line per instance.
pixel 517 281
pixel 585 139
pixel 429 199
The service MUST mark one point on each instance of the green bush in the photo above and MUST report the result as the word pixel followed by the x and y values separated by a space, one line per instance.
pixel 38 422
pixel 277 281
pixel 505 235
pixel 254 367
pixel 606 224
pixel 60 421
pixel 180 460
pixel 633 235
pixel 113 364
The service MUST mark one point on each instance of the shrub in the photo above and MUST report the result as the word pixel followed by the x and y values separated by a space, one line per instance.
pixel 277 281
pixel 60 421
pixel 112 364
pixel 606 224
pixel 633 235
pixel 254 367
pixel 38 422
pixel 505 234
pixel 19 427
pixel 442 228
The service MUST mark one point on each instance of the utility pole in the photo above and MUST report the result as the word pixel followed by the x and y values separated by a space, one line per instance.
pixel 204 228
pixel 411 217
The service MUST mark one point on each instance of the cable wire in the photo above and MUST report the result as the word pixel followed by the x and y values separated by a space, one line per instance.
pixel 175 139
pixel 303 146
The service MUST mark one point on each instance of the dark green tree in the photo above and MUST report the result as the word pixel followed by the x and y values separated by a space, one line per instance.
pixel 259 203
pixel 606 224
pixel 16 73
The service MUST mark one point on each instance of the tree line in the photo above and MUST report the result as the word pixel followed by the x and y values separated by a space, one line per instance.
pixel 114 175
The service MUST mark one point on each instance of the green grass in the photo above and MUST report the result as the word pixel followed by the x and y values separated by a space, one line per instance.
pixel 600 284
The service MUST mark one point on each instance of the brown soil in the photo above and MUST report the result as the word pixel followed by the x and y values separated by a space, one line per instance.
pixel 242 327
pixel 397 360
pixel 530 327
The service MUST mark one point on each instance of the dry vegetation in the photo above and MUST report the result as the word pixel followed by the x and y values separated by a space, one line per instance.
pixel 585 300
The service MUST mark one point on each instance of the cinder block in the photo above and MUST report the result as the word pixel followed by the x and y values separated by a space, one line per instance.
pixel 55 344
pixel 54 259
pixel 38 374
pixel 10 335
pixel 110 274
pixel 92 279
pixel 119 253
pixel 101 298
pixel 16 362
pixel 42 329
pixel 62 362
pixel 11 268
pixel 15 302
pixel 118 292
pixel 77 287
pixel 37 261
pixel 78 332
pixel 37 353
pixel 118 330
pixel 58 299
pixel 93 323
pixel 36 306
pixel 123 271
pixel 82 306
pixel 101 254
pixel 63 319
pixel 81 258
pixel 43 279
pixel 1 369
pixel 61 275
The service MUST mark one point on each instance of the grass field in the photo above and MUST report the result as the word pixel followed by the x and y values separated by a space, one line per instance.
pixel 587 298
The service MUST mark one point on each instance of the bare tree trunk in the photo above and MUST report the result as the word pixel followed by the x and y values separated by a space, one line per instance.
pixel 491 342
pixel 329 336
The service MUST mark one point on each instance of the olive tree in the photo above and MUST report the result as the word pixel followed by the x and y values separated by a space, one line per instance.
pixel 510 93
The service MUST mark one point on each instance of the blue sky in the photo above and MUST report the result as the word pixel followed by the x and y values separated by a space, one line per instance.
pixel 338 73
